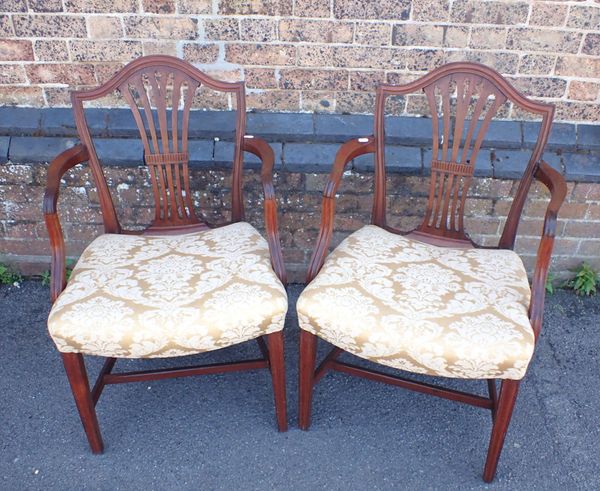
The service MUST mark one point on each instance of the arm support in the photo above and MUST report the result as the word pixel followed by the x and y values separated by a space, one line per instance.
pixel 264 152
pixel 57 168
pixel 347 152
pixel 558 190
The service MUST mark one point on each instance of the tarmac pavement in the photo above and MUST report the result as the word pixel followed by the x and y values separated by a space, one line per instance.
pixel 219 432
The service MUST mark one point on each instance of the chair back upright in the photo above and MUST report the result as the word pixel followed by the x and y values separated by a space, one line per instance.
pixel 160 92
pixel 463 99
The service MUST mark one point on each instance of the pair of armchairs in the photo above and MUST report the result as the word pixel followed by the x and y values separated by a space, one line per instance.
pixel 428 301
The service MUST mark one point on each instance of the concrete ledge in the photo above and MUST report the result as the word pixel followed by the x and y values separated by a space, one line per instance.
pixel 301 142
pixel 305 157
pixel 405 130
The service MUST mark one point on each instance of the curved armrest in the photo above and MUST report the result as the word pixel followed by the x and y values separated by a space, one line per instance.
pixel 57 168
pixel 558 190
pixel 264 152
pixel 347 152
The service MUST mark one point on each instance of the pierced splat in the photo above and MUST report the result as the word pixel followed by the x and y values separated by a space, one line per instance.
pixel 458 133
pixel 160 91
pixel 155 95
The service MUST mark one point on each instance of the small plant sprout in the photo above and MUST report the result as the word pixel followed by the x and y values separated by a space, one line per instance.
pixel 585 281
pixel 45 277
pixel 9 276
pixel 550 284
pixel 69 268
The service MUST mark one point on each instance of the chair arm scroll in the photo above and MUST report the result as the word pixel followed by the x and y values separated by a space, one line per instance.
pixel 57 168
pixel 558 189
pixel 264 152
pixel 347 152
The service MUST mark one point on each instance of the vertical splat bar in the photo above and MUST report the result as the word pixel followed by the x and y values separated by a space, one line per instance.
pixel 445 92
pixel 499 99
pixel 192 86
pixel 463 101
pixel 479 106
pixel 435 147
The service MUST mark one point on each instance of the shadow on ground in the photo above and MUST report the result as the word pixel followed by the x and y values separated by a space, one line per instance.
pixel 218 432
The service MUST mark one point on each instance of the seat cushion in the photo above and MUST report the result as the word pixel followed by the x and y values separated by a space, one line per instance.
pixel 425 309
pixel 161 296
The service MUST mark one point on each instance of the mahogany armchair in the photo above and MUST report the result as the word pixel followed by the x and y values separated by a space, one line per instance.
pixel 431 301
pixel 180 287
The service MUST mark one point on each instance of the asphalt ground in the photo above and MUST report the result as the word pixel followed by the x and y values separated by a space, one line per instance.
pixel 219 432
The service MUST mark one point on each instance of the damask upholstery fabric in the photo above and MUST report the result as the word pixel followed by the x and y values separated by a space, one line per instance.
pixel 448 312
pixel 162 296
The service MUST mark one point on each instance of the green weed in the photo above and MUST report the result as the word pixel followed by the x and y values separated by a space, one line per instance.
pixel 585 281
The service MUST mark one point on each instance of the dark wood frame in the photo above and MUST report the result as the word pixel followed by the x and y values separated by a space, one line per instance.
pixel 500 403
pixel 166 222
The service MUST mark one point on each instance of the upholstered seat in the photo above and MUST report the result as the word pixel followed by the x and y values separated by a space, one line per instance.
pixel 421 308
pixel 134 296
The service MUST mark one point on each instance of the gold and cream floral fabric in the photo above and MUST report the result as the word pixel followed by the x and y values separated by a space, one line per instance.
pixel 161 296
pixel 425 309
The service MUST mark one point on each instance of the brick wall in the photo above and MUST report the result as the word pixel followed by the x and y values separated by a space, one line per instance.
pixel 23 236
pixel 305 55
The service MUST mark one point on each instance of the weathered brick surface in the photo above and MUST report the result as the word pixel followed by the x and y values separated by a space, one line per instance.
pixel 550 50
pixel 24 238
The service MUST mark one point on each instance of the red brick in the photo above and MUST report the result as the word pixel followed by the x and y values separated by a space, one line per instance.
pixel 494 12
pixel 14 5
pixel 260 54
pixel 430 10
pixel 200 53
pixel 318 101
pixel 548 14
pixel 26 96
pixel 96 50
pixel 6 27
pixel 105 27
pixel 312 8
pixel 382 9
pixel 274 100
pixel 73 74
pixel 577 66
pixel 101 6
pixel 225 29
pixel 583 91
pixel 366 80
pixel 313 79
pixel 12 74
pixel 265 7
pixel 258 30
pixel 195 6
pixel 161 27
pixel 15 50
pixel 585 190
pixel 159 6
pixel 160 48
pixel 582 228
pixel 315 31
pixel 589 248
pixel 49 26
pixel 260 78
pixel 373 34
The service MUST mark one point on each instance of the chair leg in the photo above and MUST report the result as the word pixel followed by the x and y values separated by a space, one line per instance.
pixel 76 373
pixel 493 393
pixel 308 353
pixel 277 365
pixel 506 403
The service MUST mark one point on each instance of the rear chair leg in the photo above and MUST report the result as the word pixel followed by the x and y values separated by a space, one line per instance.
pixel 277 365
pixel 506 403
pixel 308 352
pixel 78 379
